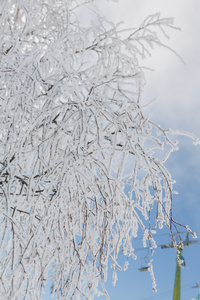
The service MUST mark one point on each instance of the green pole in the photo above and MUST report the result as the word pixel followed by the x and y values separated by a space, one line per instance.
pixel 177 283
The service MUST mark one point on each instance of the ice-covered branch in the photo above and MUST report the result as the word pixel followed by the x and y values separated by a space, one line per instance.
pixel 80 173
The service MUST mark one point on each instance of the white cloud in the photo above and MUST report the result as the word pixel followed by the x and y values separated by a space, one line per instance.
pixel 175 85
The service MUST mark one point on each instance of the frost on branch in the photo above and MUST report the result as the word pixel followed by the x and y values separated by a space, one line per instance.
pixel 80 163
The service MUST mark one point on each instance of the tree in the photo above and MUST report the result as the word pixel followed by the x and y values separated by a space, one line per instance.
pixel 82 166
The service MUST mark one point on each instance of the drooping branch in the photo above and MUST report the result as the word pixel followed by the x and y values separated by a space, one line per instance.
pixel 80 173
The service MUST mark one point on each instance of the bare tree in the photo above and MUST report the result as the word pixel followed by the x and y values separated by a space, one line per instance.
pixel 81 165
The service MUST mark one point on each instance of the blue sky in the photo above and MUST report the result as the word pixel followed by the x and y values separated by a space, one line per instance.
pixel 133 284
pixel 176 87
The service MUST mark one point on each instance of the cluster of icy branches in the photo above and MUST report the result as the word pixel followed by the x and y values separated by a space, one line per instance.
pixel 79 166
